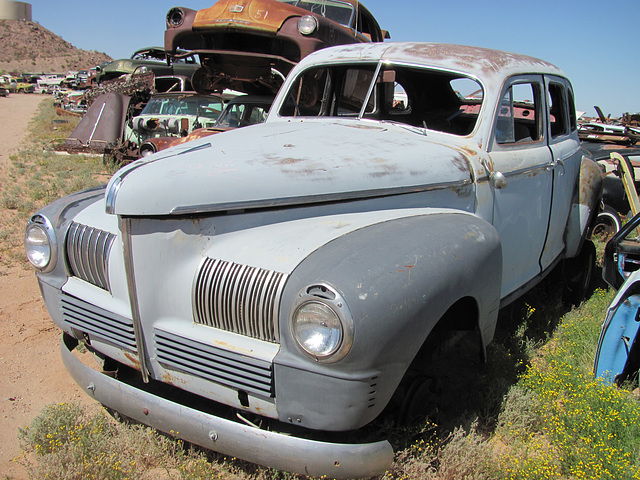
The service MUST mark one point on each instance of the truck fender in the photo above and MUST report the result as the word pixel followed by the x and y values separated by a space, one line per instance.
pixel 584 206
pixel 398 278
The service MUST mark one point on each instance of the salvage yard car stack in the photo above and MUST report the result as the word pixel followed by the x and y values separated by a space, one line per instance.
pixel 265 290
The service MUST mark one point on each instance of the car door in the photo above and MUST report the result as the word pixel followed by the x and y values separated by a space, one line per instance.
pixel 622 254
pixel 617 357
pixel 562 132
pixel 522 180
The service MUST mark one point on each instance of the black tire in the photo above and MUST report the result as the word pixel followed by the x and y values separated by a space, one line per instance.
pixel 607 224
pixel 577 273
pixel 422 400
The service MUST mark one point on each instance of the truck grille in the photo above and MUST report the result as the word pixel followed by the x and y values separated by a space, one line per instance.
pixel 213 363
pixel 239 299
pixel 98 322
pixel 87 254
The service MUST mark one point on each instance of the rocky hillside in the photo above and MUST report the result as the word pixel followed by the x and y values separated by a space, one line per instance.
pixel 29 47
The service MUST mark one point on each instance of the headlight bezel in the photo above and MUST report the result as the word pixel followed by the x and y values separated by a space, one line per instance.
pixel 43 224
pixel 329 298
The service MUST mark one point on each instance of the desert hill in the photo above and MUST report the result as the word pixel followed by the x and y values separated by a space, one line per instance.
pixel 29 47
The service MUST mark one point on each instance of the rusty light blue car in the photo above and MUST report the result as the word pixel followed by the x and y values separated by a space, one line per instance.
pixel 302 273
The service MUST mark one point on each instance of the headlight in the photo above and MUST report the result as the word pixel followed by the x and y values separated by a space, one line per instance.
pixel 175 17
pixel 307 24
pixel 40 243
pixel 321 324
pixel 140 69
pixel 317 329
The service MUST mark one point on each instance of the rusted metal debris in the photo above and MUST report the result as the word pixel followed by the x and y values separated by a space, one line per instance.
pixel 129 85
pixel 623 131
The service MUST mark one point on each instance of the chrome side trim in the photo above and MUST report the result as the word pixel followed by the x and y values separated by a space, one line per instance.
pixel 268 448
pixel 125 228
pixel 112 193
pixel 311 199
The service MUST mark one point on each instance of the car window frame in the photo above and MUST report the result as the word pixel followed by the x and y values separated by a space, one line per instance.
pixel 541 113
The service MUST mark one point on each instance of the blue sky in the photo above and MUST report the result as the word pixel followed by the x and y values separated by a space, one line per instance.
pixel 595 42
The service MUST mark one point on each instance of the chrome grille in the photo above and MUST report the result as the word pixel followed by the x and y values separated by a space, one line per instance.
pixel 212 363
pixel 88 252
pixel 238 298
pixel 98 322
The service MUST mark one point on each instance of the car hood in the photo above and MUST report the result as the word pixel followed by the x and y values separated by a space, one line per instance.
pixel 286 163
pixel 226 14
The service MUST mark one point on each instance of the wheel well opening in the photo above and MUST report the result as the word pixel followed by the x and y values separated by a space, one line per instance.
pixel 457 328
pixel 454 344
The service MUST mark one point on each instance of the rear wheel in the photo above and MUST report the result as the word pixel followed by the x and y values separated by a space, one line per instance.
pixel 577 273
pixel 607 224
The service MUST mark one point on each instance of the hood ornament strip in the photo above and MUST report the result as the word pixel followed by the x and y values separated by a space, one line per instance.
pixel 125 229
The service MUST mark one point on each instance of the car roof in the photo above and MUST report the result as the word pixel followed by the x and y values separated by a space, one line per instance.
pixel 482 63
pixel 184 94
pixel 152 50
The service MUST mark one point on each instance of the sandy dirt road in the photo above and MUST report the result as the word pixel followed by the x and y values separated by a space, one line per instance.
pixel 31 371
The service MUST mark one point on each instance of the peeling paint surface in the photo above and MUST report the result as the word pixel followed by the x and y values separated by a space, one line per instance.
pixel 288 160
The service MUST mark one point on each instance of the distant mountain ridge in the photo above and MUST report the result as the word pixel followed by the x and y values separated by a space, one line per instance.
pixel 29 47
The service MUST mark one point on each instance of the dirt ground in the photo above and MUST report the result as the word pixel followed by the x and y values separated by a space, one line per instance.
pixel 33 375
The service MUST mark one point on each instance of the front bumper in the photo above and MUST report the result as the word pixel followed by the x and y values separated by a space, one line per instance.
pixel 271 449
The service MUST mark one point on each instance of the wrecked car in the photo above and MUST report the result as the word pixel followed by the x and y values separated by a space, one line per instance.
pixel 622 254
pixel 21 85
pixel 173 114
pixel 615 198
pixel 251 46
pixel 618 353
pixel 151 59
pixel 269 292
pixel 241 111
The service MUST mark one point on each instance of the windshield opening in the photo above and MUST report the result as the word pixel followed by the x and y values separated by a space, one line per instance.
pixel 339 12
pixel 416 96
pixel 200 106
pixel 243 114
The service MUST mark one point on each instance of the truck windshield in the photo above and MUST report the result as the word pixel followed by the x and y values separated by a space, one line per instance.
pixel 339 12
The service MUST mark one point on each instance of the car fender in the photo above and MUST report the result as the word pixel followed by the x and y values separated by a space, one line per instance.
pixel 398 278
pixel 585 205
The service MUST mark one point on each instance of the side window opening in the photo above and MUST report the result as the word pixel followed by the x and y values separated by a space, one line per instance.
pixel 435 100
pixel 557 110
pixel 365 26
pixel 519 118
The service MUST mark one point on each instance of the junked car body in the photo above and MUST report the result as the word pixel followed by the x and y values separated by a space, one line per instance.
pixel 150 59
pixel 250 46
pixel 618 353
pixel 241 111
pixel 173 114
pixel 306 271
pixel 615 198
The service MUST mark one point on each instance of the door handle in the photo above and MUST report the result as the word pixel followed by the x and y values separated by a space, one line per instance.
pixel 496 179
pixel 557 163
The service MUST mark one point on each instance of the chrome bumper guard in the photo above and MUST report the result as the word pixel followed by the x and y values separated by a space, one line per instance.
pixel 270 449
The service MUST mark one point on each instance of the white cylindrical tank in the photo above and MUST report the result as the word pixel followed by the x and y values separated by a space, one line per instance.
pixel 10 10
